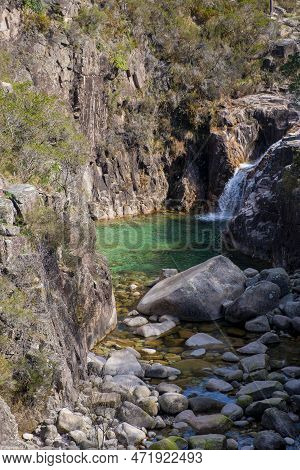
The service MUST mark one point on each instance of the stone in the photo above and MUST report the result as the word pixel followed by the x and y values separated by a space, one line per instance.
pixel 250 272
pixel 257 408
pixel 134 415
pixel 244 401
pixel 133 313
pixel 170 443
pixel 50 432
pixel 206 424
pixel 122 384
pixel 208 442
pixel 218 385
pixel 68 421
pixel 78 436
pixel 159 423
pixel 280 422
pixel 196 294
pixel 292 372
pixel 258 325
pixel 277 376
pixel 110 400
pixel 253 363
pixel 28 436
pixel 159 371
pixel 165 387
pixel 155 329
pixel 229 375
pixel 7 211
pixel 166 273
pixel 205 341
pixel 268 440
pixel 289 441
pixel 292 387
pixel 281 323
pixel 254 348
pixel 260 390
pixel 232 444
pixel 129 435
pixel 141 391
pixel 277 276
pixel 25 196
pixel 197 352
pixel 149 351
pixel 95 363
pixel 202 404
pixel 123 362
pixel 292 309
pixel 150 405
pixel 269 338
pixel 232 411
pixel 255 301
pixel 135 321
pixel 230 357
pixel 296 324
pixel 173 403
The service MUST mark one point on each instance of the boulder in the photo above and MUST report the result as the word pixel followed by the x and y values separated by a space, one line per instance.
pixel 7 211
pixel 292 372
pixel 68 421
pixel 123 362
pixel 229 375
pixel 135 321
pixel 205 405
pixel 255 301
pixel 159 371
pixel 123 384
pixel 268 440
pixel 260 390
pixel 232 411
pixel 292 309
pixel 173 403
pixel 165 387
pixel 258 325
pixel 208 442
pixel 257 408
pixel 269 338
pixel 278 276
pixel 292 387
pixel 149 404
pixel 256 347
pixel 205 341
pixel 155 329
pixel 25 197
pixel 129 435
pixel 196 294
pixel 95 363
pixel 281 322
pixel 280 422
pixel 256 362
pixel 250 272
pixel 218 385
pixel 134 415
pixel 208 424
pixel 230 357
pixel 170 443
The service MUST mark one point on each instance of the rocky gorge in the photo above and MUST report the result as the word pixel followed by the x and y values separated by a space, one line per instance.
pixel 193 363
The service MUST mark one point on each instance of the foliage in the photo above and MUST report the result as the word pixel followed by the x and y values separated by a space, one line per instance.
pixel 36 6
pixel 13 301
pixel 291 70
pixel 38 139
pixel 89 19
pixel 5 372
pixel 43 226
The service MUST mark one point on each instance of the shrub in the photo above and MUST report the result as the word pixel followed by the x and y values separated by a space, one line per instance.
pixel 43 226
pixel 39 142
pixel 89 19
pixel 36 6
pixel 13 301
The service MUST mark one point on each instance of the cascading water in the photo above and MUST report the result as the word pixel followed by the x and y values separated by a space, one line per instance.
pixel 232 197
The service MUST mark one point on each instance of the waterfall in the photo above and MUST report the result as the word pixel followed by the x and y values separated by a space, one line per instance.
pixel 232 197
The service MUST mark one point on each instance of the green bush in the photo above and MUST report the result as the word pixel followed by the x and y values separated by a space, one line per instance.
pixel 13 301
pixel 36 6
pixel 43 226
pixel 39 142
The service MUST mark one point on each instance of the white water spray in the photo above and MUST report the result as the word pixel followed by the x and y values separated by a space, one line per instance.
pixel 232 197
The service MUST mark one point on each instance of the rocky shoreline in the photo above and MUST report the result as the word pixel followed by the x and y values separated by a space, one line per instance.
pixel 130 402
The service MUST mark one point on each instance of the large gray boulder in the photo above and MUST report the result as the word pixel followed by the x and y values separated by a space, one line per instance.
pixel 134 415
pixel 173 403
pixel 255 301
pixel 278 276
pixel 206 424
pixel 196 294
pixel 280 422
pixel 123 362
pixel 268 440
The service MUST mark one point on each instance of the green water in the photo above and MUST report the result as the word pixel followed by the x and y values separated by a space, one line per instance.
pixel 148 244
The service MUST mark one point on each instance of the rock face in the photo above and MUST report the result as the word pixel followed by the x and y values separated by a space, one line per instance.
pixel 9 438
pixel 267 225
pixel 196 294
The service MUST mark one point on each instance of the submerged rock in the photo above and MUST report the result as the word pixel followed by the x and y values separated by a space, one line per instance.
pixel 205 341
pixel 155 329
pixel 196 294
pixel 208 442
pixel 218 385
